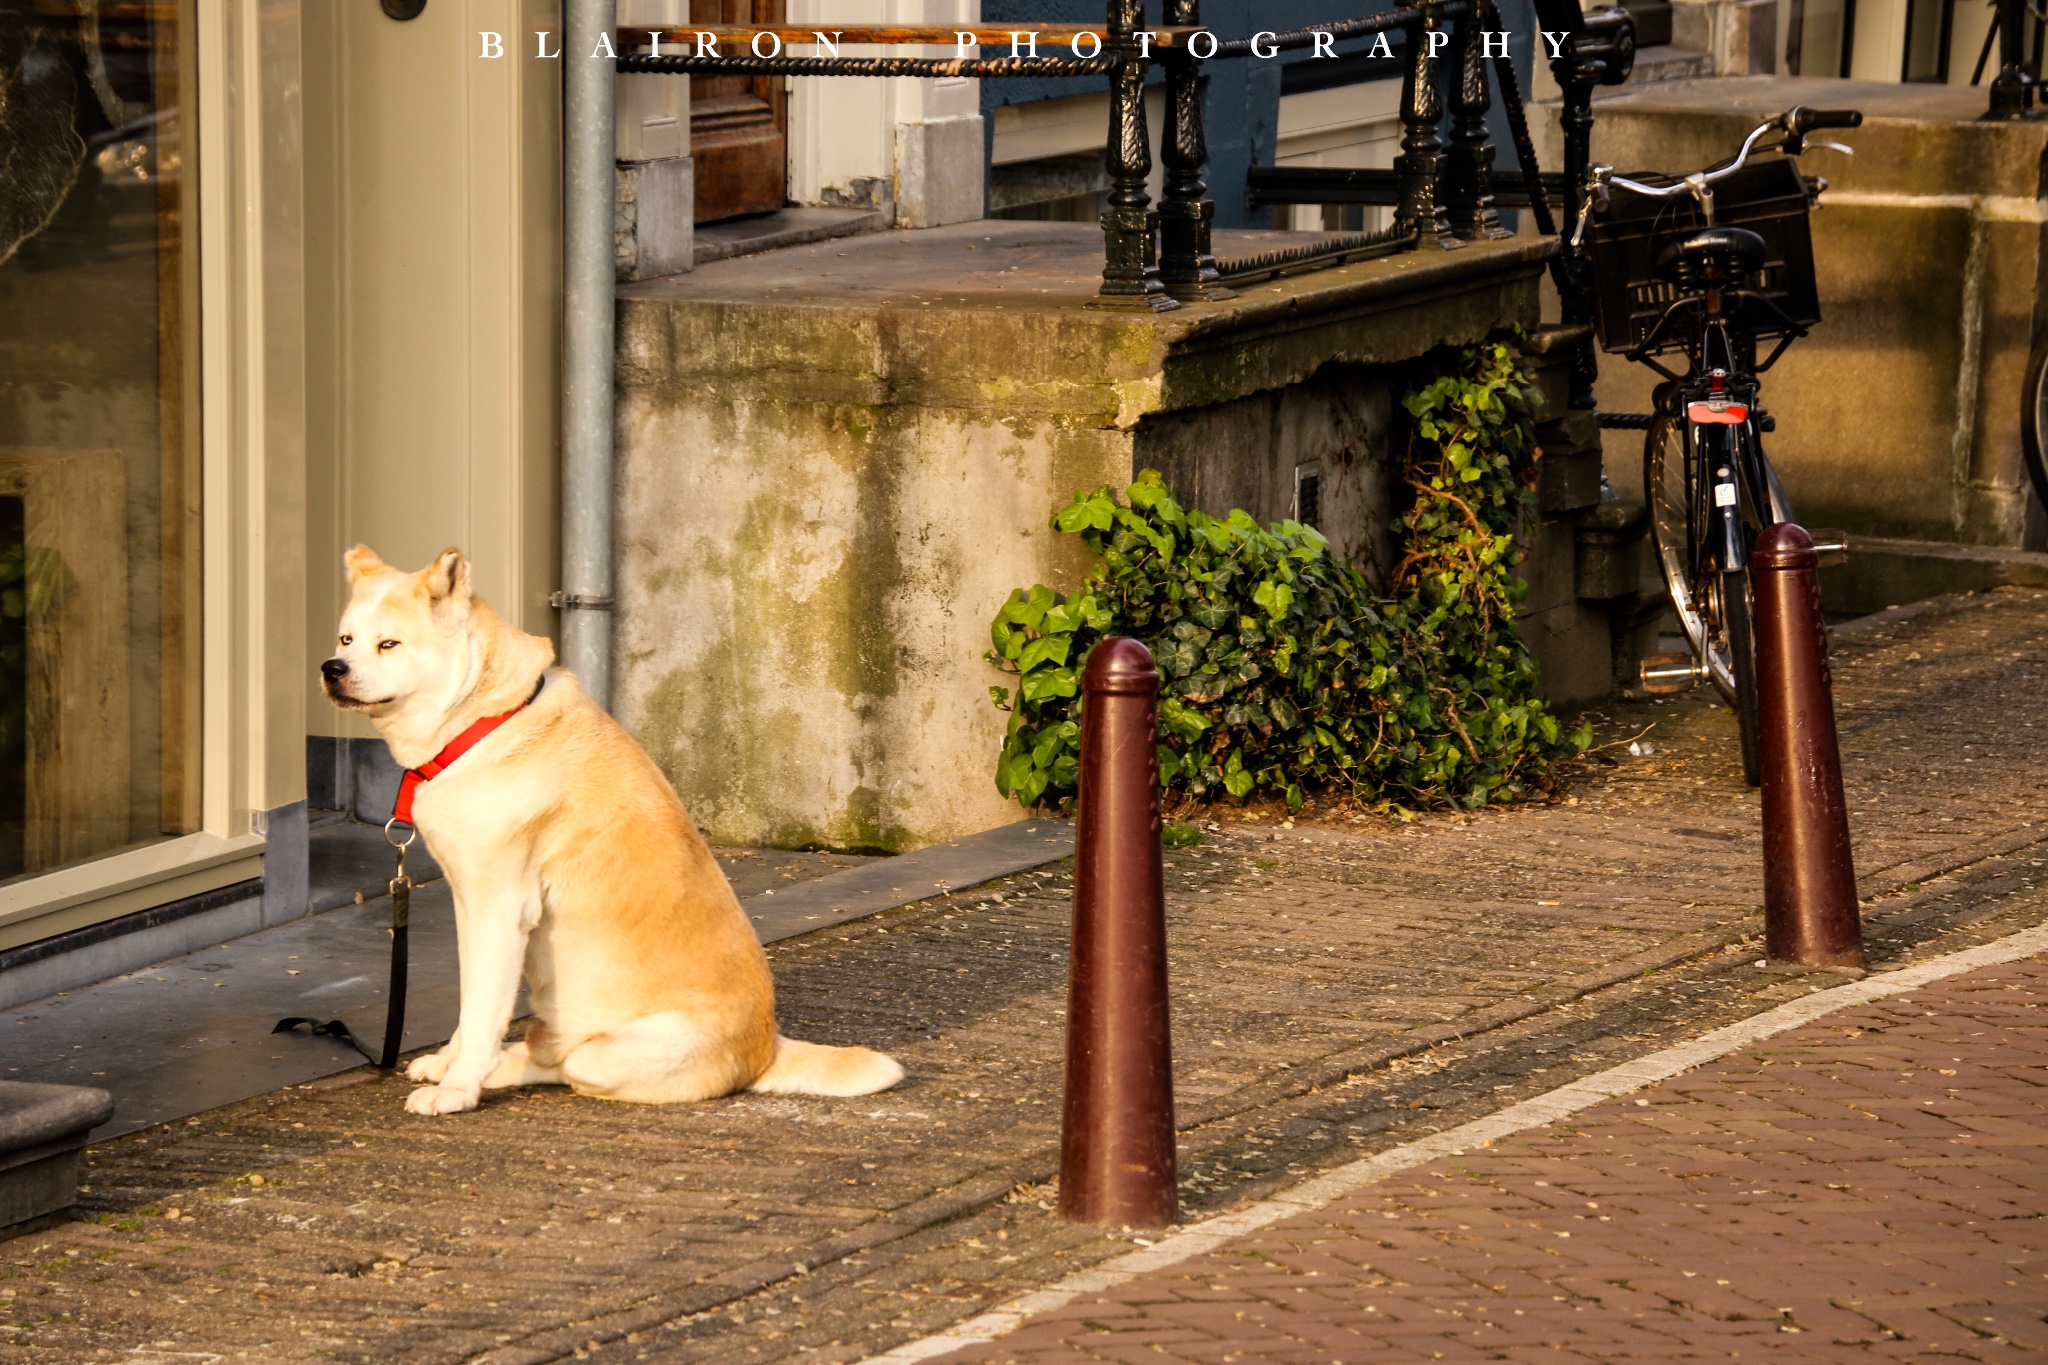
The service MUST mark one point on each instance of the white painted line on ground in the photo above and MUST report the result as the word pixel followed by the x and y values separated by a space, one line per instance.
pixel 1563 1102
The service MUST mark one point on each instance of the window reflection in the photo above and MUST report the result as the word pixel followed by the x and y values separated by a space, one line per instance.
pixel 99 610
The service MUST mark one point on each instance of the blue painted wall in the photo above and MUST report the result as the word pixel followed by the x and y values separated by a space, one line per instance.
pixel 1241 98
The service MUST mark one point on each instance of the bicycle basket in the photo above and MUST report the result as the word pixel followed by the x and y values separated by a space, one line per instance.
pixel 1766 197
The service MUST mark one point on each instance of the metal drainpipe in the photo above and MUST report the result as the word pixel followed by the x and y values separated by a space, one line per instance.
pixel 588 337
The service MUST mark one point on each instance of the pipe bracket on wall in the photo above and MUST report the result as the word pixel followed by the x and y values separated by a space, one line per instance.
pixel 404 9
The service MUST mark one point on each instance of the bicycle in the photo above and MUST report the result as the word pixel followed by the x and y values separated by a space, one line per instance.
pixel 1710 265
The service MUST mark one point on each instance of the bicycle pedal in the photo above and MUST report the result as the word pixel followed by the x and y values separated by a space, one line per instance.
pixel 1831 546
pixel 1663 674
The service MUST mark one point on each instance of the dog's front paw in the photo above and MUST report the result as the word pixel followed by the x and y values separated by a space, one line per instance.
pixel 440 1099
pixel 430 1068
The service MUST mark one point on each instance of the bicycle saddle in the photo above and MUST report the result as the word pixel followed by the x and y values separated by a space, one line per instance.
pixel 1735 251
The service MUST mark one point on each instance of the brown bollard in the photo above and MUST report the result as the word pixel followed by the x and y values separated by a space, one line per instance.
pixel 1116 1136
pixel 1810 916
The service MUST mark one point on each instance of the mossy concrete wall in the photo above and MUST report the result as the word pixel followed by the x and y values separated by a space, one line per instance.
pixel 836 462
pixel 1899 416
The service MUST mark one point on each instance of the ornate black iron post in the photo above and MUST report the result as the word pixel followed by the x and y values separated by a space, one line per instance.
pixel 1128 280
pixel 1600 51
pixel 2012 94
pixel 1468 188
pixel 1186 267
pixel 1418 170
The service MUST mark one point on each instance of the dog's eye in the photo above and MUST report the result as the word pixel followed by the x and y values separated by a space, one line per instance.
pixel 348 639
pixel 383 645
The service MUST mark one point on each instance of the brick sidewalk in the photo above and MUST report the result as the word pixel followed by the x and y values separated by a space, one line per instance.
pixel 1341 986
pixel 1871 1186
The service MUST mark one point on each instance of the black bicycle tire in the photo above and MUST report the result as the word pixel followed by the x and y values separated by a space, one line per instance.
pixel 2032 398
pixel 1735 609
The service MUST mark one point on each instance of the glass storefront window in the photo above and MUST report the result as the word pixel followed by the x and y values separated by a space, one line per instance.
pixel 99 488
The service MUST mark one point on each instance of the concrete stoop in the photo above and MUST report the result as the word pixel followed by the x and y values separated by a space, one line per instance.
pixel 42 1131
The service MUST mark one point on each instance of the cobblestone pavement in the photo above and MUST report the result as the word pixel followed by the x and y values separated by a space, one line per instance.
pixel 1340 986
pixel 1873 1186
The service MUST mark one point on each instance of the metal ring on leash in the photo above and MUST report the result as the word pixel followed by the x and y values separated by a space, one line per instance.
pixel 411 833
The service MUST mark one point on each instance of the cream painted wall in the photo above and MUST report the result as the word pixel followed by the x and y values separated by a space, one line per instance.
pixel 843 131
pixel 433 245
pixel 1880 46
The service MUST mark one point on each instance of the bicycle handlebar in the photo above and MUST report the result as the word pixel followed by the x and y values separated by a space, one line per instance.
pixel 1795 123
pixel 1692 184
pixel 1803 120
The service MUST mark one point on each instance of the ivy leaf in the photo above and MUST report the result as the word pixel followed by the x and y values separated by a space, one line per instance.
pixel 1097 513
pixel 1048 683
pixel 1275 597
pixel 1177 658
pixel 1179 720
pixel 1051 648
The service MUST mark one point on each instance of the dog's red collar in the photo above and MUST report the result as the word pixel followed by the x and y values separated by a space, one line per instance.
pixel 457 747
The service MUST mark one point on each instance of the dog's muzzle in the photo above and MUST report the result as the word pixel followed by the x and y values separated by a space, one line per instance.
pixel 335 678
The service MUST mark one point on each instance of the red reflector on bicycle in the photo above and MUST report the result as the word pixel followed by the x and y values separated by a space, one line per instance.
pixel 1727 415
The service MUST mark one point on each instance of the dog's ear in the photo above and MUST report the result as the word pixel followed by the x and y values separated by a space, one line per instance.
pixel 447 578
pixel 360 563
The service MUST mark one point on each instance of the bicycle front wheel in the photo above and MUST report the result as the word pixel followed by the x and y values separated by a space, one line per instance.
pixel 2034 419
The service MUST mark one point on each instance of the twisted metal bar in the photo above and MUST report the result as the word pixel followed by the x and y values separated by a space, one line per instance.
pixel 869 66
pixel 1468 183
pixel 1130 276
pixel 1340 31
pixel 1518 129
pixel 1186 267
pixel 1420 166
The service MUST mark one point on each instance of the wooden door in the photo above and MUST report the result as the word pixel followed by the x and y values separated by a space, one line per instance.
pixel 739 125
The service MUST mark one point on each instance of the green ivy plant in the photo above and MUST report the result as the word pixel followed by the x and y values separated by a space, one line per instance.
pixel 1283 671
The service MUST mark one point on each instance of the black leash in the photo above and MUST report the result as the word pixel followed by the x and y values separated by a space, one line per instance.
pixel 394 1011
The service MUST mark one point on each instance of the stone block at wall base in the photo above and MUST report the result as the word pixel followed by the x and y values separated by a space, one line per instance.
pixel 1550 565
pixel 939 172
pixel 1567 479
pixel 1612 539
pixel 287 868
pixel 42 1129
pixel 1740 35
pixel 1574 651
pixel 654 227
pixel 1634 623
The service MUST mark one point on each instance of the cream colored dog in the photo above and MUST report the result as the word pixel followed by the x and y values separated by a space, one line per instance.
pixel 569 855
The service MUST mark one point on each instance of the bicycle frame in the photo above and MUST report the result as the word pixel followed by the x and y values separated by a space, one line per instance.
pixel 1726 469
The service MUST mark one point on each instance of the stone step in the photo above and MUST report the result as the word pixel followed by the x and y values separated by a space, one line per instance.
pixel 42 1129
pixel 1666 62
pixel 1883 572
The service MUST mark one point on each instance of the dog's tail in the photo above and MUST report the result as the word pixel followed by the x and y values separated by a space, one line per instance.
pixel 814 1069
